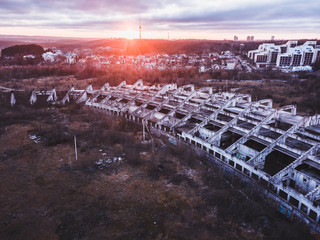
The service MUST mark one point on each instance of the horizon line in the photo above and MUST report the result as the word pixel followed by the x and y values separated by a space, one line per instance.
pixel 123 38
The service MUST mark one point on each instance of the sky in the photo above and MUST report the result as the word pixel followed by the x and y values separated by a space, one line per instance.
pixel 176 19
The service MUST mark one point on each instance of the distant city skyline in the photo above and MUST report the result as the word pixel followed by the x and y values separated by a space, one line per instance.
pixel 217 20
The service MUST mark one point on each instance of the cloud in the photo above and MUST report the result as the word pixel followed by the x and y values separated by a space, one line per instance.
pixel 187 15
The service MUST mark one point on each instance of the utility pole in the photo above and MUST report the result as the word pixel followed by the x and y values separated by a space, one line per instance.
pixel 75 147
pixel 143 132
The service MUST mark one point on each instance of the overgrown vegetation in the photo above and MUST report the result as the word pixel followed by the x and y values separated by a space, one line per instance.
pixel 303 93
pixel 157 190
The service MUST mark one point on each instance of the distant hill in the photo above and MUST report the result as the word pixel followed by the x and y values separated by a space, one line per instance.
pixel 32 49
pixel 151 46
pixel 188 46
pixel 127 46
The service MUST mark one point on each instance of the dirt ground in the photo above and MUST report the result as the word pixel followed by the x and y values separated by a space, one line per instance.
pixel 118 188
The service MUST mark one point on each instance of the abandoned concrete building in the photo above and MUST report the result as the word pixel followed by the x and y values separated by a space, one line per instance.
pixel 275 147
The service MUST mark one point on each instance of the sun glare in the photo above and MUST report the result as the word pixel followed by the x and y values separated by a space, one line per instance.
pixel 129 34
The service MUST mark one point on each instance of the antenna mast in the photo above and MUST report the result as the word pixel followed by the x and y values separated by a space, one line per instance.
pixel 140 28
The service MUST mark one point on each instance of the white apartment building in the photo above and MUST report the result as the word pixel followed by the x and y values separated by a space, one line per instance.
pixel 285 56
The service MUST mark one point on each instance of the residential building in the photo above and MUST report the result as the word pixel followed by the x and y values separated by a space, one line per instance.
pixel 287 55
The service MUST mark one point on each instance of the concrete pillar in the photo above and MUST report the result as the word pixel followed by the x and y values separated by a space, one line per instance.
pixel 12 100
pixel 288 182
pixel 299 205
pixel 294 110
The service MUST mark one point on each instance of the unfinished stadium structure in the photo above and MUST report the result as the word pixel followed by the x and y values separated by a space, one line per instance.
pixel 275 147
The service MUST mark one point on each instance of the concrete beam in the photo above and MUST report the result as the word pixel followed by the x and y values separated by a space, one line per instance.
pixel 314 194
pixel 260 158
pixel 126 107
pixel 163 90
pixel 52 95
pixel 191 112
pixel 255 129
pixel 66 98
pixel 84 96
pixel 215 138
pixel 177 91
pixel 214 115
pixel 192 94
pixel 277 178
